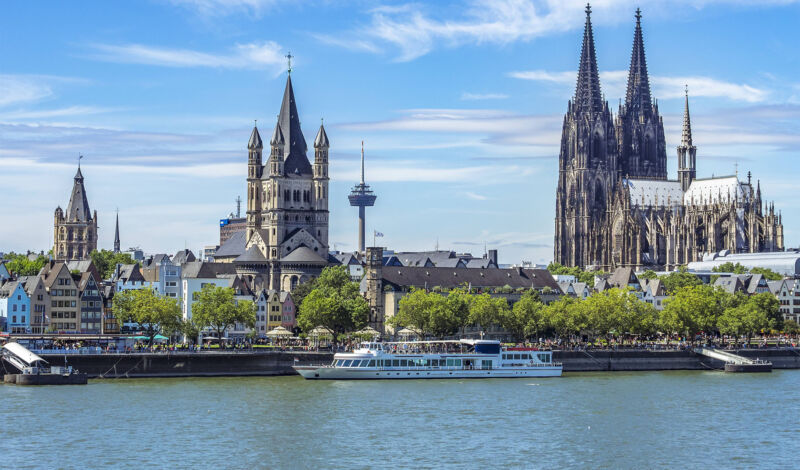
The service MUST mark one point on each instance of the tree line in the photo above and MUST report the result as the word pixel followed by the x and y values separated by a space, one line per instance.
pixel 614 314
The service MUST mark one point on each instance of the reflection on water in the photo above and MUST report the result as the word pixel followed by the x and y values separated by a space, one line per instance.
pixel 610 420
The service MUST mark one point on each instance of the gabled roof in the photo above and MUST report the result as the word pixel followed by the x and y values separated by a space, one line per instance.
pixel 128 273
pixel 622 277
pixel 346 259
pixel 303 254
pixel 52 270
pixel 183 256
pixel 30 283
pixel 233 246
pixel 7 289
pixel 730 284
pixel 447 278
pixel 203 270
pixel 255 140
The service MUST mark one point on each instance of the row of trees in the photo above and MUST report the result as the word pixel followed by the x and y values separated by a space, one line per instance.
pixel 106 261
pixel 215 309
pixel 20 265
pixel 611 314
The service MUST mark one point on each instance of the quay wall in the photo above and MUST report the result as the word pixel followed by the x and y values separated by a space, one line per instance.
pixel 259 363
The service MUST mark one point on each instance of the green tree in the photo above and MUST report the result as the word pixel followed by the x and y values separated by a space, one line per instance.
pixel 217 309
pixel 458 301
pixel 565 316
pixel 20 265
pixel 106 261
pixel 690 310
pixel 649 274
pixel 300 292
pixel 155 314
pixel 767 304
pixel 334 303
pixel 678 279
pixel 767 273
pixel 415 310
pixel 790 327
pixel 190 330
pixel 526 318
pixel 485 310
pixel 730 267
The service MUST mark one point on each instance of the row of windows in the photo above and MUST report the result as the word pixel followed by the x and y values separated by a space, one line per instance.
pixel 525 357
pixel 14 308
pixel 64 326
pixel 14 319
pixel 90 326
pixel 91 304
pixel 63 303
pixel 90 315
pixel 64 282
pixel 64 315
pixel 64 292
pixel 450 362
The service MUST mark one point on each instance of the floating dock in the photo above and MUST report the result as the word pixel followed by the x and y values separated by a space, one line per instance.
pixel 734 362
pixel 35 371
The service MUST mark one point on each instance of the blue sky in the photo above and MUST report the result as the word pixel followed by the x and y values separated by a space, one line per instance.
pixel 459 104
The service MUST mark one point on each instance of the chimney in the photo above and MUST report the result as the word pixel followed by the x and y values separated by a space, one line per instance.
pixel 493 256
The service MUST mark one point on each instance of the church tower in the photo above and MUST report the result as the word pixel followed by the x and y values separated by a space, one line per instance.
pixel 320 193
pixel 687 153
pixel 75 231
pixel 254 171
pixel 640 129
pixel 587 167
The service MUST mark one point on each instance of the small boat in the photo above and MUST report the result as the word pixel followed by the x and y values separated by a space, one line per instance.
pixel 461 359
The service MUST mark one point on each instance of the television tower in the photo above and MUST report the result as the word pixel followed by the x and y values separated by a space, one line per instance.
pixel 362 197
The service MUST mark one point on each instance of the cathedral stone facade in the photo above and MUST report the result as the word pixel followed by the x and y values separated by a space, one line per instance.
pixel 615 205
pixel 75 231
pixel 286 236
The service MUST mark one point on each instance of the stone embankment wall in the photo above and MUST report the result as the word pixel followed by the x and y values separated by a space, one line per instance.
pixel 280 363
pixel 189 364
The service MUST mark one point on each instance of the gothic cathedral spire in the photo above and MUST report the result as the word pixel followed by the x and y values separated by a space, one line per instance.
pixel 116 235
pixel 687 153
pixel 637 97
pixel 587 91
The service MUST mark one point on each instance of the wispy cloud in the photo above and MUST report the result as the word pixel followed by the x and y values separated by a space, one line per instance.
pixel 349 43
pixel 475 196
pixel 614 82
pixel 415 29
pixel 227 7
pixel 482 96
pixel 70 111
pixel 256 55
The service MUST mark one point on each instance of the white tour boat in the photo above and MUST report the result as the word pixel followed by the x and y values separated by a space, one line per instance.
pixel 464 359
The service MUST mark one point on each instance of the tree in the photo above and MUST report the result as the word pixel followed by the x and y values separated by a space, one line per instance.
pixel 301 291
pixel 526 318
pixel 790 327
pixel 20 265
pixel 155 314
pixel 649 274
pixel 730 267
pixel 190 330
pixel 678 279
pixel 768 305
pixel 485 310
pixel 334 303
pixel 106 261
pixel 217 309
pixel 580 275
pixel 767 273
pixel 415 311
pixel 692 309
pixel 565 316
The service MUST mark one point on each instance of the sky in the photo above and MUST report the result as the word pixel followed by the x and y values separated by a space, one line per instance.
pixel 459 105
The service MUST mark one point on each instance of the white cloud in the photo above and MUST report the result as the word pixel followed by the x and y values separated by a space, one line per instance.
pixel 352 44
pixel 18 89
pixel 482 96
pixel 52 113
pixel 475 196
pixel 226 7
pixel 614 82
pixel 416 29
pixel 263 55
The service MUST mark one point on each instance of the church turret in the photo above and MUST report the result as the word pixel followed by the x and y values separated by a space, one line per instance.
pixel 254 171
pixel 75 230
pixel 116 235
pixel 321 146
pixel 687 153
pixel 276 143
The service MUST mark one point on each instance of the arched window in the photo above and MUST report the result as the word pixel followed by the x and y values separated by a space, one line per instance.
pixel 286 196
pixel 597 148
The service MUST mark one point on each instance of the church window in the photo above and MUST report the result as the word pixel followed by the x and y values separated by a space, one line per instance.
pixel 597 151
pixel 296 218
pixel 286 196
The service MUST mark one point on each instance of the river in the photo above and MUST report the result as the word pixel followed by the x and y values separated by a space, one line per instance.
pixel 588 420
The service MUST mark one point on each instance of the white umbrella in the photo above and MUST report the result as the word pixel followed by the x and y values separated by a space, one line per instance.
pixel 279 332
pixel 368 331
pixel 320 331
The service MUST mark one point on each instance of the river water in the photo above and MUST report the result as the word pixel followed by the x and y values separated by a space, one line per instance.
pixel 589 420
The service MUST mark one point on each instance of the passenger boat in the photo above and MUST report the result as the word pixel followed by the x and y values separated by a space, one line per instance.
pixel 462 359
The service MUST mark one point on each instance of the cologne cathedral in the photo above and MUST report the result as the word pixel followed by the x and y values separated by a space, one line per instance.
pixel 616 206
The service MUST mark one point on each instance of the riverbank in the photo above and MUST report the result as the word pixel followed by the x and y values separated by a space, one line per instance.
pixel 271 363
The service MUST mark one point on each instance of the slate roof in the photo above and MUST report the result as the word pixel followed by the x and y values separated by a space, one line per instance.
pixel 234 246
pixel 78 207
pixel 183 256
pixel 8 288
pixel 252 255
pixel 621 277
pixel 154 260
pixel 321 141
pixel 295 148
pixel 203 270
pixel 255 140
pixel 776 286
pixel 346 259
pixel 128 273
pixel 730 284
pixel 303 254
pixel 402 276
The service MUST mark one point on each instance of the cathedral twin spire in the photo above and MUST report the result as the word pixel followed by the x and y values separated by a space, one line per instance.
pixel 637 97
pixel 588 97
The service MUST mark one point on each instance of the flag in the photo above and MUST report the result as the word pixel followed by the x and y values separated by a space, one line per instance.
pixel 378 234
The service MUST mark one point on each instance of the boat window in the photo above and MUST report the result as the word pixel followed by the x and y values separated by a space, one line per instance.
pixel 346 363
pixel 355 363
pixel 339 362
pixel 372 363
pixel 395 362
pixel 403 363
pixel 505 356
pixel 544 357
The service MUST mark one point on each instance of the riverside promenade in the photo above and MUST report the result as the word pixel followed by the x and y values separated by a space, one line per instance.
pixel 269 363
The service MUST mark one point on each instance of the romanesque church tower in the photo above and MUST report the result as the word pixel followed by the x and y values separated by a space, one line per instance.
pixel 287 204
pixel 75 231
pixel 587 166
